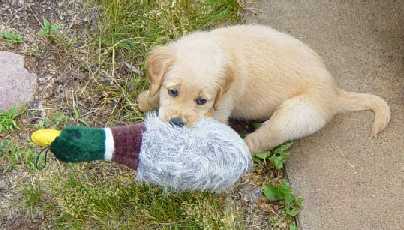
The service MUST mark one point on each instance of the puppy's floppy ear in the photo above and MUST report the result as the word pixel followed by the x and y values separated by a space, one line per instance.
pixel 224 85
pixel 157 64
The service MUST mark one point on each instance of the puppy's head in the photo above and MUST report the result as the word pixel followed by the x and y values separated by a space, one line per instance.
pixel 189 86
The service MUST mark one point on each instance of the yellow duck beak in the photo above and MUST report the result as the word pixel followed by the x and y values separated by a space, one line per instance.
pixel 44 137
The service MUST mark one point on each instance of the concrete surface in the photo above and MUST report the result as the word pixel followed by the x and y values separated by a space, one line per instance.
pixel 348 180
pixel 17 85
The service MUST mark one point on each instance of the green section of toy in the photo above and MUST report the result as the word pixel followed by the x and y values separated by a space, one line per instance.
pixel 76 144
pixel 73 144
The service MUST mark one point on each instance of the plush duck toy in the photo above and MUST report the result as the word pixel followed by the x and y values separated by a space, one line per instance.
pixel 209 156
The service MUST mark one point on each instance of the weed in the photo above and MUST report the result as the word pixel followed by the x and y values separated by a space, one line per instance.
pixel 12 38
pixel 277 156
pixel 283 193
pixel 293 226
pixel 280 192
pixel 49 30
pixel 8 120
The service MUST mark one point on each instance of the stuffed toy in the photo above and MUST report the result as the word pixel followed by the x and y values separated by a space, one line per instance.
pixel 210 156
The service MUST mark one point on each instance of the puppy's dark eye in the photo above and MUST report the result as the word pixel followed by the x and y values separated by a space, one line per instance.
pixel 200 101
pixel 173 92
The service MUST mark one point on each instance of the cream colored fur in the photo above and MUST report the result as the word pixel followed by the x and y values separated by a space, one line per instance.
pixel 251 72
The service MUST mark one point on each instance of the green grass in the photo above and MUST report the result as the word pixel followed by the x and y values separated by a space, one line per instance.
pixel 109 203
pixel 132 27
pixel 8 120
pixel 32 195
pixel 12 38
pixel 87 195
pixel 17 156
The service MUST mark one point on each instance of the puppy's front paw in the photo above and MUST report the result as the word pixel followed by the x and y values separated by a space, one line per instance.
pixel 252 143
pixel 146 102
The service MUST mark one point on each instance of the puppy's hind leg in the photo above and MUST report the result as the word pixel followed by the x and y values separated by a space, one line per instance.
pixel 295 118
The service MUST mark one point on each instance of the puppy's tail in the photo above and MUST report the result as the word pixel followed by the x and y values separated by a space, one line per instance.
pixel 350 101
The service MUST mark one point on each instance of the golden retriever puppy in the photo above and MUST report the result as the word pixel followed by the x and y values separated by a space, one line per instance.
pixel 250 72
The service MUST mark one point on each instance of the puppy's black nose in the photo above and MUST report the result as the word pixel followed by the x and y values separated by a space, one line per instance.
pixel 177 121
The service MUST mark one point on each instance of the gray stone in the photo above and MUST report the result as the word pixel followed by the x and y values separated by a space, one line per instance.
pixel 17 85
pixel 348 180
pixel 3 184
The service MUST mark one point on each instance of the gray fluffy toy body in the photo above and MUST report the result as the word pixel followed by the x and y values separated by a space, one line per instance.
pixel 210 156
